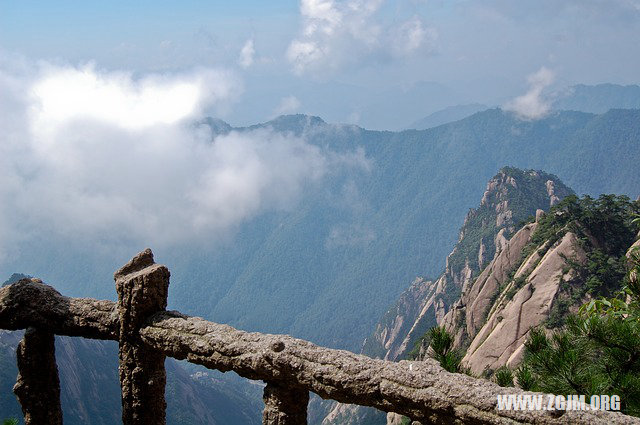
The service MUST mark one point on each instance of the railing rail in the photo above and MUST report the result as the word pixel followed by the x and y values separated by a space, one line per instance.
pixel 290 367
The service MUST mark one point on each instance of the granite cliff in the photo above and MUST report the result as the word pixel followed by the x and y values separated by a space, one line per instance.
pixel 511 197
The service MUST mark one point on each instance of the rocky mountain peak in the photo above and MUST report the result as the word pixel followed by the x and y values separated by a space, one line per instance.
pixel 512 196
pixel 14 278
pixel 545 271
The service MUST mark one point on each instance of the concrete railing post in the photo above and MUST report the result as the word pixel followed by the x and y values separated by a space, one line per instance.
pixel 284 405
pixel 38 385
pixel 142 288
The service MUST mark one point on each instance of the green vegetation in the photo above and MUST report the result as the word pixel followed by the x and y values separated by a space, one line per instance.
pixel 605 229
pixel 423 341
pixel 518 283
pixel 597 352
pixel 525 378
pixel 438 343
pixel 440 346
pixel 523 199
pixel 504 377
pixel 10 422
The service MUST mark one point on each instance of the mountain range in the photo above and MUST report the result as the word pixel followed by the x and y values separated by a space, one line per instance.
pixel 596 99
pixel 328 269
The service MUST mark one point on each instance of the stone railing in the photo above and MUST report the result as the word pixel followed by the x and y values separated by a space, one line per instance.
pixel 291 368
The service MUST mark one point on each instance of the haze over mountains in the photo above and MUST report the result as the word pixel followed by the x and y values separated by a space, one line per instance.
pixel 584 98
pixel 326 268
pixel 296 165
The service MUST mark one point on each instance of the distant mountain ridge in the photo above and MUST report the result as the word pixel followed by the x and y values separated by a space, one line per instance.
pixel 14 278
pixel 280 274
pixel 598 98
pixel 447 115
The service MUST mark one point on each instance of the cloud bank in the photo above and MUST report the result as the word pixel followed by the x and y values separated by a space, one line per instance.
pixel 247 54
pixel 533 104
pixel 105 156
pixel 336 33
pixel 288 105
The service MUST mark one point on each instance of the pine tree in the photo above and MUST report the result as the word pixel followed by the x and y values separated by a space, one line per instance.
pixel 598 352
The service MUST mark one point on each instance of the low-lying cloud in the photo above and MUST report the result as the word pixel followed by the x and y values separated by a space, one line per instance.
pixel 247 54
pixel 337 33
pixel 533 104
pixel 105 156
pixel 288 105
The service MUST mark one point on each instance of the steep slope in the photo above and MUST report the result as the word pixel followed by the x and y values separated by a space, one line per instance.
pixel 326 269
pixel 545 271
pixel 548 269
pixel 511 196
pixel 501 338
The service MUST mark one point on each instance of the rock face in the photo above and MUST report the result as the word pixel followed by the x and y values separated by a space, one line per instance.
pixel 546 271
pixel 473 306
pixel 400 320
pixel 524 303
pixel 510 197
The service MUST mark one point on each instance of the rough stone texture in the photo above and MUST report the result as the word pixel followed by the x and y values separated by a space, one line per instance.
pixel 398 322
pixel 38 385
pixel 631 253
pixel 551 190
pixel 501 338
pixel 29 302
pixel 394 419
pixel 488 281
pixel 420 390
pixel 284 405
pixel 468 314
pixel 142 288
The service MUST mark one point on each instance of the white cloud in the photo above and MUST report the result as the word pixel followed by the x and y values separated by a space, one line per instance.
pixel 533 104
pixel 102 156
pixel 288 105
pixel 336 33
pixel 411 35
pixel 247 54
pixel 62 94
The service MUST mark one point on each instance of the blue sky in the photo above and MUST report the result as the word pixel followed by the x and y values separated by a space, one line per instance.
pixel 341 59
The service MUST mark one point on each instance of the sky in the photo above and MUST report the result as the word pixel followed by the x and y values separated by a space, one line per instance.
pixel 99 101
pixel 381 64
